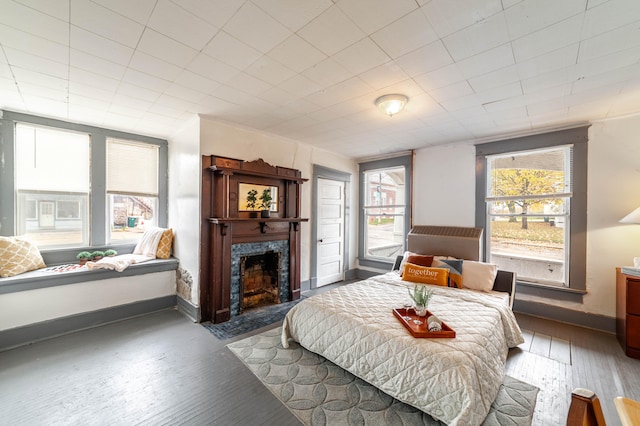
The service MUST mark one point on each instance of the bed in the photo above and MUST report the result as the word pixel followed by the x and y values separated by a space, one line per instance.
pixel 454 380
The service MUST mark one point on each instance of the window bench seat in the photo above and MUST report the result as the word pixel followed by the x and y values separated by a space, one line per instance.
pixel 41 304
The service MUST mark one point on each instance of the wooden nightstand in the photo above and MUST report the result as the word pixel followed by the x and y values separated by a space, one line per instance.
pixel 628 313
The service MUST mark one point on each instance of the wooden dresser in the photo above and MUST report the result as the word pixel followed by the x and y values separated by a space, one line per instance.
pixel 628 313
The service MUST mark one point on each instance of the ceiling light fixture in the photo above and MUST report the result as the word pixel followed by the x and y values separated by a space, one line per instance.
pixel 391 104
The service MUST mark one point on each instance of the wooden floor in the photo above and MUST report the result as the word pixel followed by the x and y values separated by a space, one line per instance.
pixel 163 369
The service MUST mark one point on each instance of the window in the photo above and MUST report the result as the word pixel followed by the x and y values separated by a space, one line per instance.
pixel 63 184
pixel 52 172
pixel 528 204
pixel 531 200
pixel 385 189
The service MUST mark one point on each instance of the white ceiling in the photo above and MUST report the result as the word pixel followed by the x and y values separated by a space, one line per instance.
pixel 310 70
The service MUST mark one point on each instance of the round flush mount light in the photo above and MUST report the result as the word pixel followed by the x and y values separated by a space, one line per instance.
pixel 391 104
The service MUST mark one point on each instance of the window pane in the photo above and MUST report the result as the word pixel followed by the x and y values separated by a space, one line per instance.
pixel 132 167
pixel 52 186
pixel 529 226
pixel 384 236
pixel 385 187
pixel 130 215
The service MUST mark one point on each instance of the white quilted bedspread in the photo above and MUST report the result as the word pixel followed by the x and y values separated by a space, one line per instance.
pixel 454 380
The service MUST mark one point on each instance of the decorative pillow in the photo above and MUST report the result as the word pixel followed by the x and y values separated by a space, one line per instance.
pixel 455 270
pixel 18 255
pixel 425 275
pixel 420 259
pixel 164 246
pixel 479 275
pixel 423 260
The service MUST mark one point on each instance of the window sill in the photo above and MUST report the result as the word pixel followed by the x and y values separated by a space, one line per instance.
pixel 43 279
pixel 550 291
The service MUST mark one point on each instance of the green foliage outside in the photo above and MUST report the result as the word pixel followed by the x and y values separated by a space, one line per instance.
pixel 380 220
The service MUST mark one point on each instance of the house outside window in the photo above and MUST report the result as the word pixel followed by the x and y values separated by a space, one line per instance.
pixel 531 198
pixel 385 187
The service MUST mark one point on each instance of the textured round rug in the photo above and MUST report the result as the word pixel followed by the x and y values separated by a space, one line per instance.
pixel 319 392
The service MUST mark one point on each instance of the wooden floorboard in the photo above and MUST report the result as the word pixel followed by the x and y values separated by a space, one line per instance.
pixel 162 369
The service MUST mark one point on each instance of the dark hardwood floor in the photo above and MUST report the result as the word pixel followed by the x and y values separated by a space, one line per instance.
pixel 163 369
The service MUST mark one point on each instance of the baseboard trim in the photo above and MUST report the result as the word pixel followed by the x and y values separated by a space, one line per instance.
pixel 306 285
pixel 188 309
pixel 32 333
pixel 557 313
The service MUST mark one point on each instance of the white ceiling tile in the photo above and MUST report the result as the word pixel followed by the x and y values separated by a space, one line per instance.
pixel 248 84
pixel 96 65
pixel 508 74
pixel 139 10
pixel 195 81
pixel 11 37
pixel 408 33
pixel 231 94
pixel 548 39
pixel 18 58
pixel 128 109
pixel 212 105
pixel 347 89
pixel 461 103
pixel 331 32
pixel 58 9
pixel 131 91
pixel 177 91
pixel 557 59
pixel 147 81
pixel 361 56
pixel 384 75
pixel 24 76
pixel 179 24
pixel 488 61
pixel 47 107
pixel 532 15
pixel 162 47
pixel 94 44
pixel 90 91
pixel 609 16
pixel 209 67
pixel 406 87
pixel 425 59
pixel 297 54
pixel 277 96
pixel 441 77
pixel 299 85
pixel 92 79
pixel 232 51
pixel 294 14
pixel 452 91
pixel 34 22
pixel 269 70
pixel 254 27
pixel 326 73
pixel 35 91
pixel 507 91
pixel 608 63
pixel 154 66
pixel 216 12
pixel 102 21
pixel 509 3
pixel 371 15
pixel 619 39
pixel 619 76
pixel 477 38
pixel 448 17
pixel 550 79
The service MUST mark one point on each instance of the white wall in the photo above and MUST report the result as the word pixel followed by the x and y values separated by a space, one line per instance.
pixel 203 136
pixel 444 194
pixel 33 306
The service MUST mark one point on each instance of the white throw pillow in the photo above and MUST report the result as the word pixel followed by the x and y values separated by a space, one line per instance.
pixel 478 275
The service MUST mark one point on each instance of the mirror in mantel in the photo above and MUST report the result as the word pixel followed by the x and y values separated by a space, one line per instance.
pixel 249 197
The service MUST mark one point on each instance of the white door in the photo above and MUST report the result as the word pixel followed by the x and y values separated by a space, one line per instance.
pixel 46 214
pixel 330 250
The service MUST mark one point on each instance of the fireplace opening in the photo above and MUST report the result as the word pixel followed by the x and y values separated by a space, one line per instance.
pixel 259 280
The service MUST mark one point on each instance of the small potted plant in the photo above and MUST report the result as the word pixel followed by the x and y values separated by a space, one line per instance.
pixel 420 296
pixel 83 257
pixel 110 252
pixel 97 255
pixel 265 203
pixel 252 201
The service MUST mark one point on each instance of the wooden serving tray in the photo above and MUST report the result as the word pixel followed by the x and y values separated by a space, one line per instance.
pixel 421 330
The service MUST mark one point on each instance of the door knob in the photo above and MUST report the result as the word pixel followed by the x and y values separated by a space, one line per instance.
pixel 320 240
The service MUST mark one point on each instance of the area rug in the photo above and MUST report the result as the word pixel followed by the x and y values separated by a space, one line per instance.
pixel 319 392
pixel 250 320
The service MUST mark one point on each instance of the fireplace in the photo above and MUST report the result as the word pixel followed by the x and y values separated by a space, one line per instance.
pixel 231 279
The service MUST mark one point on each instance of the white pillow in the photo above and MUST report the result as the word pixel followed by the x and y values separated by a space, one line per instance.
pixel 478 275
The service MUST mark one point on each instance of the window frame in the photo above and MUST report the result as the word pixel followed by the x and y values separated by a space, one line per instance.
pixel 577 244
pixel 97 198
pixel 406 161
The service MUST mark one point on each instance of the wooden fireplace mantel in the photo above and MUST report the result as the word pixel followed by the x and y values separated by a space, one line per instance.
pixel 225 224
